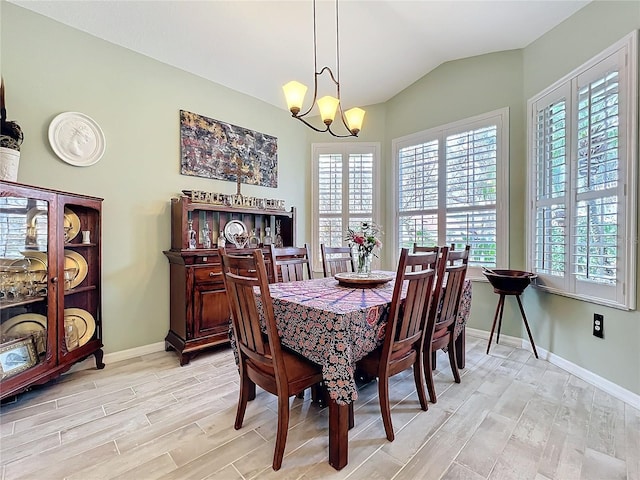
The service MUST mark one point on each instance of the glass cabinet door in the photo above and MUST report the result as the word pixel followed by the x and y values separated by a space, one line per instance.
pixel 24 284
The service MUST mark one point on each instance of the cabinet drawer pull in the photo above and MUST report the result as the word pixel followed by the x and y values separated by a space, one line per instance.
pixel 214 274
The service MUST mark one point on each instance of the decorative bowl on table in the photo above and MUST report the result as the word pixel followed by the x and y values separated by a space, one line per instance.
pixel 512 281
pixel 357 280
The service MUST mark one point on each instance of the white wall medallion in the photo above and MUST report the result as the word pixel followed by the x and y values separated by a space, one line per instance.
pixel 77 139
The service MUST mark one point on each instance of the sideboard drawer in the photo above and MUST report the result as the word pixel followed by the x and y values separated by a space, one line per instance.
pixel 208 275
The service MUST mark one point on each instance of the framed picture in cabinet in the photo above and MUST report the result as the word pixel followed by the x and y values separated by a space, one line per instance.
pixel 17 356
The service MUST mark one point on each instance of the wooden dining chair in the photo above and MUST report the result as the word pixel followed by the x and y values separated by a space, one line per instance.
pixel 336 260
pixel 403 343
pixel 430 249
pixel 262 359
pixel 441 321
pixel 291 264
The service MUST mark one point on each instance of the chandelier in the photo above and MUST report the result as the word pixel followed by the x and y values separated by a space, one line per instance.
pixel 328 105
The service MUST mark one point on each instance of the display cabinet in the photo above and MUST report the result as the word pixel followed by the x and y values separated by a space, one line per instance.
pixel 50 275
pixel 199 312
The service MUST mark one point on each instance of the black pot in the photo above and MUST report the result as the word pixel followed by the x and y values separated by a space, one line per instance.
pixel 512 282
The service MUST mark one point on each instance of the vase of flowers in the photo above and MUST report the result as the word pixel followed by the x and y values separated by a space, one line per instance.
pixel 365 240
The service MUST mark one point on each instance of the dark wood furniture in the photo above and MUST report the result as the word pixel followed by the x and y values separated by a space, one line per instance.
pixel 262 360
pixel 50 284
pixel 441 321
pixel 336 260
pixel 460 333
pixel 199 312
pixel 403 343
pixel 291 264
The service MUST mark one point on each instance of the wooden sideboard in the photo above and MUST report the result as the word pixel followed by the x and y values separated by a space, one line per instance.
pixel 199 312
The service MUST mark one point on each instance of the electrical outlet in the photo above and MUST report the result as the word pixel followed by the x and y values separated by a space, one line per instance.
pixel 598 325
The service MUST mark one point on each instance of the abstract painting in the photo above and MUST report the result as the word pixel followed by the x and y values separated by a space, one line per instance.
pixel 213 149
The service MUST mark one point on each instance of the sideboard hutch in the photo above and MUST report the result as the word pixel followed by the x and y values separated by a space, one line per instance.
pixel 199 312
pixel 50 284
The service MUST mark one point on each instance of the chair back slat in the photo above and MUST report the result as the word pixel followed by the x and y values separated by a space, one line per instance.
pixel 291 264
pixel 452 286
pixel 252 343
pixel 405 326
pixel 336 260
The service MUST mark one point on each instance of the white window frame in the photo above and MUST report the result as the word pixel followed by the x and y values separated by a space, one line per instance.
pixel 499 118
pixel 344 149
pixel 623 294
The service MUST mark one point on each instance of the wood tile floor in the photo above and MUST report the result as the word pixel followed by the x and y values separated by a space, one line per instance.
pixel 512 417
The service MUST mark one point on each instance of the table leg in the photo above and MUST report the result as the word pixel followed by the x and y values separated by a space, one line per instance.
pixel 460 348
pixel 526 324
pixel 338 434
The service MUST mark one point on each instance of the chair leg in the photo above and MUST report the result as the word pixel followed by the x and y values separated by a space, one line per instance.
pixel 433 359
pixel 283 428
pixel 245 393
pixel 452 359
pixel 418 376
pixel 383 395
pixel 428 375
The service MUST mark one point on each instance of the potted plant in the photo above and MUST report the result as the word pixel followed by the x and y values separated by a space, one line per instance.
pixel 10 140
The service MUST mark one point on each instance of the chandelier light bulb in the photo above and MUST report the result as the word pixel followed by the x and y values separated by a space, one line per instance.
pixel 294 92
pixel 354 117
pixel 328 106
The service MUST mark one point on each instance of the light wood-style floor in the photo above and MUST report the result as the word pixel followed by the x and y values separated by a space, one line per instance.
pixel 512 417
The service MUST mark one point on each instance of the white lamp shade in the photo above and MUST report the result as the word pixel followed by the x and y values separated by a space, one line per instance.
pixel 328 106
pixel 294 92
pixel 354 117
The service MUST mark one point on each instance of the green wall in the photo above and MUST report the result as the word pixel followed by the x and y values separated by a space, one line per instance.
pixel 50 68
pixel 563 325
pixel 467 87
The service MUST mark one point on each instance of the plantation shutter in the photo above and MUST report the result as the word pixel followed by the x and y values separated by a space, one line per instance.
pixel 344 190
pixel 418 194
pixel 596 222
pixel 471 176
pixel 360 189
pixel 330 197
pixel 583 155
pixel 452 188
pixel 551 152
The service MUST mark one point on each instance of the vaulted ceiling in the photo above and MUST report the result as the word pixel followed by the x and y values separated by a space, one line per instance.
pixel 256 46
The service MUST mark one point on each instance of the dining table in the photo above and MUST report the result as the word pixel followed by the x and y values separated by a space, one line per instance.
pixel 335 325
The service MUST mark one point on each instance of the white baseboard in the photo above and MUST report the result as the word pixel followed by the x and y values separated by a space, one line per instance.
pixel 515 342
pixel 603 384
pixel 133 352
pixel 119 356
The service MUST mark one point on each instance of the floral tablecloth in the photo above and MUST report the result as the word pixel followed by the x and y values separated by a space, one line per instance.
pixel 335 326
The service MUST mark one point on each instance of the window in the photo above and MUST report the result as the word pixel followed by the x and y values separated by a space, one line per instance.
pixel 345 191
pixel 452 187
pixel 582 192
